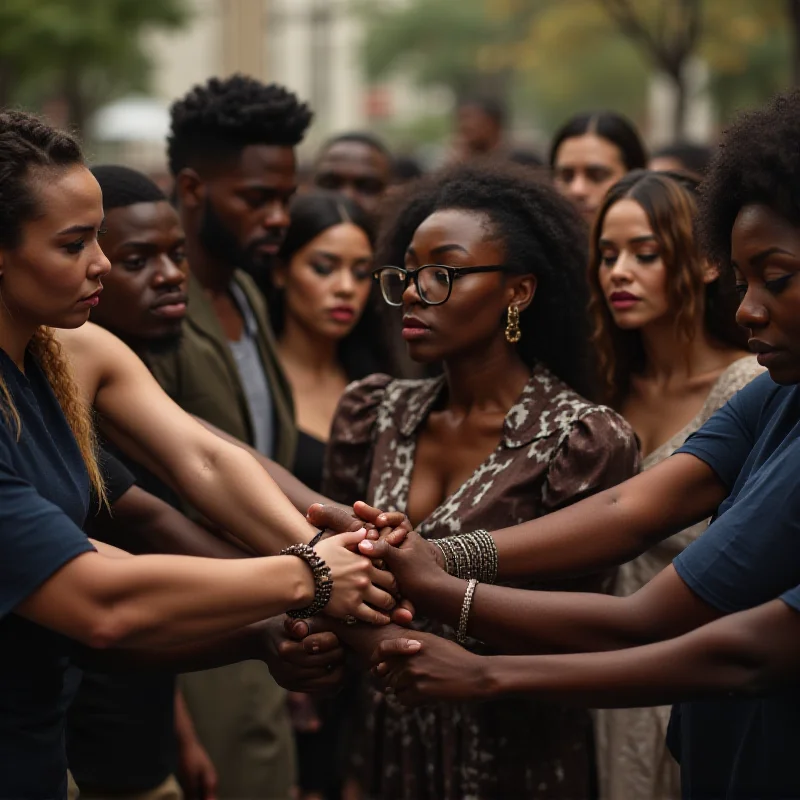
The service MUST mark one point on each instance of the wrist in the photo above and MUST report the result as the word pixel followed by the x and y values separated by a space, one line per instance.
pixel 441 598
pixel 300 579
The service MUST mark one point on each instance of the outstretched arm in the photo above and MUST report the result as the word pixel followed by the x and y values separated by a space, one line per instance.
pixel 223 481
pixel 745 653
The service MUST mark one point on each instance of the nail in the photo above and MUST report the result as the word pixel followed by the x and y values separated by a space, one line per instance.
pixel 367 545
pixel 413 644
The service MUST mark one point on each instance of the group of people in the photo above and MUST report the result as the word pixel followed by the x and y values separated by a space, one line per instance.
pixel 518 438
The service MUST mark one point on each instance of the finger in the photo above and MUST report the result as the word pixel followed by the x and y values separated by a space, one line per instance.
pixel 296 629
pixel 390 648
pixel 392 519
pixel 403 613
pixel 333 517
pixel 396 537
pixel 366 614
pixel 379 599
pixel 383 578
pixel 350 539
pixel 329 684
pixel 297 657
pixel 366 512
pixel 375 550
pixel 208 780
pixel 380 669
pixel 324 642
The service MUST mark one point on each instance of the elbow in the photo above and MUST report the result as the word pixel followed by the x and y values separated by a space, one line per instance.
pixel 107 628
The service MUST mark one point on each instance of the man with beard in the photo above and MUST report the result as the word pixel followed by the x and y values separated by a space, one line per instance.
pixel 231 154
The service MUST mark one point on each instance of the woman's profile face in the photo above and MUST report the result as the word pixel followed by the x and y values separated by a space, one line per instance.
pixel 474 315
pixel 327 283
pixel 585 168
pixel 53 276
pixel 632 274
pixel 765 254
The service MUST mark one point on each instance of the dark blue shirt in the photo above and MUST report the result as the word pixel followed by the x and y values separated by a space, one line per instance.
pixel 44 495
pixel 742 747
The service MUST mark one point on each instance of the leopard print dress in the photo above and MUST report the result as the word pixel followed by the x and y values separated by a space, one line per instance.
pixel 556 448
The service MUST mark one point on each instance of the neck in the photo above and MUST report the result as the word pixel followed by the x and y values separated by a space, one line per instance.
pixel 304 348
pixel 494 377
pixel 213 274
pixel 668 356
pixel 14 339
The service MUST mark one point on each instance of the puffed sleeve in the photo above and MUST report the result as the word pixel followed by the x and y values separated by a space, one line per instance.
pixel 36 537
pixel 348 456
pixel 599 452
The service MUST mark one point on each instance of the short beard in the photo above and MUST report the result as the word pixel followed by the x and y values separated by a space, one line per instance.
pixel 218 240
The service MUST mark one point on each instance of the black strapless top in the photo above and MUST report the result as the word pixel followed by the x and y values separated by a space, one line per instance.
pixel 308 461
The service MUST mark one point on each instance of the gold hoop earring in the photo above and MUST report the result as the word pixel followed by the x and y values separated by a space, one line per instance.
pixel 513 333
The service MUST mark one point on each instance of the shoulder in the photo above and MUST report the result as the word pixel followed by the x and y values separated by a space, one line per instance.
pixel 549 409
pixel 738 375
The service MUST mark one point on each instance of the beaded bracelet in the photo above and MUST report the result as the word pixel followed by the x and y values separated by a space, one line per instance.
pixel 323 580
pixel 461 635
pixel 470 555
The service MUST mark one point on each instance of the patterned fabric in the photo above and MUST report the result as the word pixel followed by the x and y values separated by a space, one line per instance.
pixel 555 449
pixel 632 757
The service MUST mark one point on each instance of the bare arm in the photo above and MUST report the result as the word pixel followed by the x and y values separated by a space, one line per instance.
pixel 750 652
pixel 142 523
pixel 155 601
pixel 298 493
pixel 613 526
pixel 223 481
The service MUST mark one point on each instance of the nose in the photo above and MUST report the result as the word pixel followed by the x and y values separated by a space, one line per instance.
pixel 168 273
pixel 752 313
pixel 411 295
pixel 578 187
pixel 277 215
pixel 620 271
pixel 346 285
pixel 99 265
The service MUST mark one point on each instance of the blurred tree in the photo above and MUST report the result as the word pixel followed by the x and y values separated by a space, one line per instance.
pixel 82 52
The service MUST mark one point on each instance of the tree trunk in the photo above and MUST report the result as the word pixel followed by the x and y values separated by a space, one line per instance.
pixel 793 9
pixel 681 104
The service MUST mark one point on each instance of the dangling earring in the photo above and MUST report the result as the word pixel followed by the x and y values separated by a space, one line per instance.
pixel 513 333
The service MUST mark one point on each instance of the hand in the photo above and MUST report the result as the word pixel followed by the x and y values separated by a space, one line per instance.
pixel 415 565
pixel 427 668
pixel 302 661
pixel 338 520
pixel 197 773
pixel 352 576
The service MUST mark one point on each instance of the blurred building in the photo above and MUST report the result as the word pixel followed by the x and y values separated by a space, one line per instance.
pixel 311 46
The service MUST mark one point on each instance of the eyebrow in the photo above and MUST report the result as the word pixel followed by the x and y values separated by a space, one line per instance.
pixel 447 248
pixel 80 229
pixel 151 245
pixel 634 240
pixel 758 259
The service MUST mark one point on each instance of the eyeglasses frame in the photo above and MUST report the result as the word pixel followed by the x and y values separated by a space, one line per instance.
pixel 453 272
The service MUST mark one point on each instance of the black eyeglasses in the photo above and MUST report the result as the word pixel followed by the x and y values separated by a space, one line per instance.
pixel 434 282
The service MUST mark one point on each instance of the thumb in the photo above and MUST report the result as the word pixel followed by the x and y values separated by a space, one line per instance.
pixel 395 647
pixel 332 517
pixel 349 539
pixel 380 549
pixel 296 628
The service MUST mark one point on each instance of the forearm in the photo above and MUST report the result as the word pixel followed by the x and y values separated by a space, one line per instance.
pixel 298 493
pixel 361 639
pixel 613 526
pixel 155 601
pixel 748 653
pixel 233 491
pixel 522 621
pixel 240 644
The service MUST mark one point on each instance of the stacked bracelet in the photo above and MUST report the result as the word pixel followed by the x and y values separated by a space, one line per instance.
pixel 470 555
pixel 323 581
pixel 461 635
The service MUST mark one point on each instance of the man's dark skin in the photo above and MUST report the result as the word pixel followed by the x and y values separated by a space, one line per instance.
pixel 235 214
pixel 357 170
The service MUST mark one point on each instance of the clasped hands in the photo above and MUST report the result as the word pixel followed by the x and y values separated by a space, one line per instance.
pixel 308 656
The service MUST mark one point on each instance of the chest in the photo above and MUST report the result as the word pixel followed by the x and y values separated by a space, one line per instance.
pixel 229 316
pixel 656 414
pixel 315 399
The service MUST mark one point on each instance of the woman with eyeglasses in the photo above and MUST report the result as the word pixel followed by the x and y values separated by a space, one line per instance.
pixel 488 266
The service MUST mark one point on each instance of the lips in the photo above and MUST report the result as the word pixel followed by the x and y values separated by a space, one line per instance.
pixel 414 328
pixel 622 300
pixel 171 306
pixel 92 299
pixel 342 313
pixel 767 354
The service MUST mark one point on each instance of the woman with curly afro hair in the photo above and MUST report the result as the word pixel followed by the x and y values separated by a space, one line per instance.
pixel 742 467
pixel 488 266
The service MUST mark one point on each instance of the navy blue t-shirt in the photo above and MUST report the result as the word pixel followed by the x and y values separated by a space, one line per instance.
pixel 44 496
pixel 750 554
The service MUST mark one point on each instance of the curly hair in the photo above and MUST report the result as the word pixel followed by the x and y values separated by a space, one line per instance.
pixel 669 202
pixel 29 147
pixel 757 162
pixel 215 122
pixel 365 349
pixel 541 235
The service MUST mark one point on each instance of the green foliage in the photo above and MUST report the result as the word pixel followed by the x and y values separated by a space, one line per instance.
pixel 83 51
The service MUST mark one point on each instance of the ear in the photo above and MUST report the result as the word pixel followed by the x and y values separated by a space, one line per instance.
pixel 190 189
pixel 523 291
pixel 710 272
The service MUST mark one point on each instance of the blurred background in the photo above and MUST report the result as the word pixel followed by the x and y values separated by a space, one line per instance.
pixel 678 68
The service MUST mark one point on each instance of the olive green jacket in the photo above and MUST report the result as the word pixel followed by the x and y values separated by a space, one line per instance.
pixel 201 376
